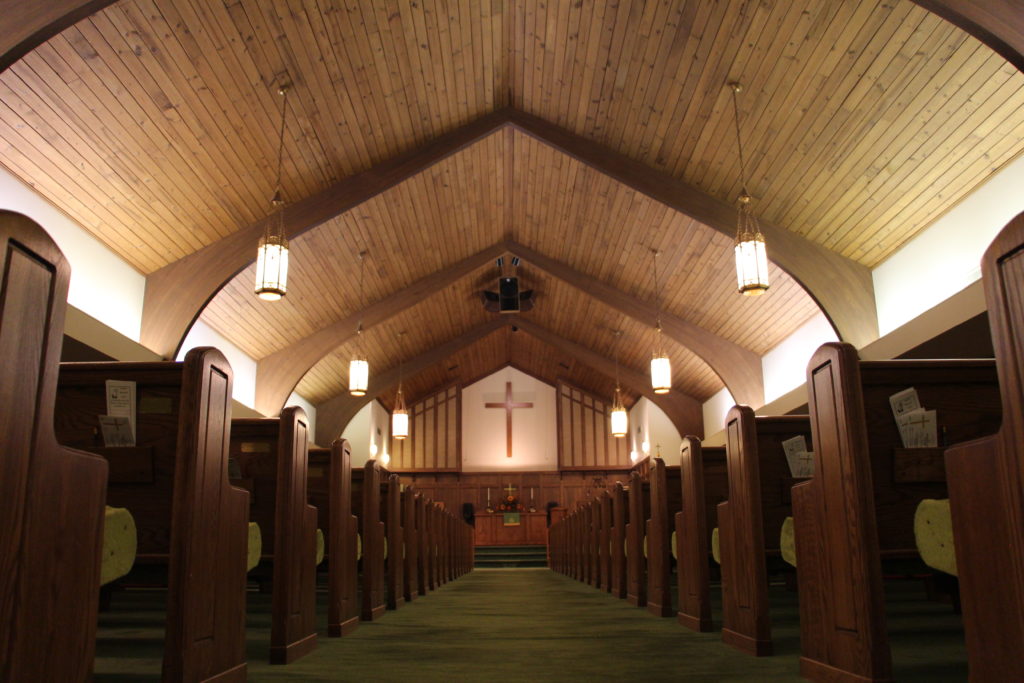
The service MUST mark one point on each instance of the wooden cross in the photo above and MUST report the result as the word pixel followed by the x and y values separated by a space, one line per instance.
pixel 509 406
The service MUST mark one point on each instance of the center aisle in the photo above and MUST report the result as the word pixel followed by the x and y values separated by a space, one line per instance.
pixel 524 625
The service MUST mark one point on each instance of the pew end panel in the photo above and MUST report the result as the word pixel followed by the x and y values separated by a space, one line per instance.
pixel 842 625
pixel 293 629
pixel 665 502
pixel 986 484
pixel 692 540
pixel 745 612
pixel 51 497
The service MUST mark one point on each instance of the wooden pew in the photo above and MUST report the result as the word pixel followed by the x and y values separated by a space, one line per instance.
pixel 604 505
pixel 703 481
pixel 620 522
pixel 51 497
pixel 273 458
pixel 331 489
pixel 366 504
pixel 410 572
pixel 665 502
pixel 636 532
pixel 423 577
pixel 750 521
pixel 391 511
pixel 853 511
pixel 175 484
pixel 986 485
pixel 593 521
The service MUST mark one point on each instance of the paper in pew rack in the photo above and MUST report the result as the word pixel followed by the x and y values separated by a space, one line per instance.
pixel 120 404
pixel 904 402
pixel 801 461
pixel 117 432
pixel 919 429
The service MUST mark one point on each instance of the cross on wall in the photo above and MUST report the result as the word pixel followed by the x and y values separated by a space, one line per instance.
pixel 509 405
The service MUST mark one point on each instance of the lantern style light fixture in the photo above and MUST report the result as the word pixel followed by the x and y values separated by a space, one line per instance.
pixel 619 416
pixel 751 257
pixel 272 254
pixel 358 367
pixel 661 367
pixel 400 415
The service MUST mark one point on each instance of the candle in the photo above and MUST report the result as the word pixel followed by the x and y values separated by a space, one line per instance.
pixel 488 497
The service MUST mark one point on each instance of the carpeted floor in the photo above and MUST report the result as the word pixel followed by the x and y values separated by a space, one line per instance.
pixel 531 625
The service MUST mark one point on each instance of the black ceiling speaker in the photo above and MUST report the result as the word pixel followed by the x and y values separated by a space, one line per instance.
pixel 508 298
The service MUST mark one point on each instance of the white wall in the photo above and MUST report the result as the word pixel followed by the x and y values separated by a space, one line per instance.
pixel 651 431
pixel 946 257
pixel 243 366
pixel 715 410
pixel 368 433
pixel 534 430
pixel 102 285
pixel 785 367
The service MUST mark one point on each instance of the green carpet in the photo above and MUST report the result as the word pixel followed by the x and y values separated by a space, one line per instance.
pixel 531 625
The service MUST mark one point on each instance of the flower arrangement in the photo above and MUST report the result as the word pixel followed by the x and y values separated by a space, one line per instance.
pixel 510 504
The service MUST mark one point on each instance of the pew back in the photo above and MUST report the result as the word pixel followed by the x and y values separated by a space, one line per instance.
pixel 51 497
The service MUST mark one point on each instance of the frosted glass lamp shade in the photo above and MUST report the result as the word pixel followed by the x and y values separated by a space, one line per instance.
pixel 752 266
pixel 272 268
pixel 358 376
pixel 661 374
pixel 620 422
pixel 400 424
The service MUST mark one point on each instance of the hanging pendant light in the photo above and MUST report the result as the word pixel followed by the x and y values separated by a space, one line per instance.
pixel 619 416
pixel 661 367
pixel 358 367
pixel 751 257
pixel 272 254
pixel 400 415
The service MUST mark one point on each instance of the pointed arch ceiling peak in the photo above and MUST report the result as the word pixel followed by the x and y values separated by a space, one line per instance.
pixel 335 413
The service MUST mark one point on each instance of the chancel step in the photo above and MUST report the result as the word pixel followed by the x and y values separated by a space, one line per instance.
pixel 510 556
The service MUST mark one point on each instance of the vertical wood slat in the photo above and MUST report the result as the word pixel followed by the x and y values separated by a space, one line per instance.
pixel 584 440
pixel 434 441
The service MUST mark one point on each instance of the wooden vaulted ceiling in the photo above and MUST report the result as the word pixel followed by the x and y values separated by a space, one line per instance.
pixel 152 123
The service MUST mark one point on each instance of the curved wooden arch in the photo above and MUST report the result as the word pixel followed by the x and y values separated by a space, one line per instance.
pixel 177 293
pixel 685 412
pixel 278 374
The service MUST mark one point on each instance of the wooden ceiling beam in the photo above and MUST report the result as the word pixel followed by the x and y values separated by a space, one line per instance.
pixel 997 23
pixel 686 412
pixel 24 26
pixel 739 368
pixel 842 287
pixel 279 373
pixel 177 293
pixel 336 412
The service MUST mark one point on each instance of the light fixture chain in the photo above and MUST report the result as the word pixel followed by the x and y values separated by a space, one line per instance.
pixel 739 144
pixel 280 138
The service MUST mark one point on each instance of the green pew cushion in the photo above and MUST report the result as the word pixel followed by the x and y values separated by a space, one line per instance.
pixel 787 542
pixel 319 546
pixel 120 541
pixel 933 531
pixel 255 546
pixel 714 546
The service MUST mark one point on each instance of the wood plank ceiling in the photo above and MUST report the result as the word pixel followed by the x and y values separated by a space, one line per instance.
pixel 153 124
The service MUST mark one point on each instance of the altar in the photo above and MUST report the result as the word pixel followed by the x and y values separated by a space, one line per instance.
pixel 491 529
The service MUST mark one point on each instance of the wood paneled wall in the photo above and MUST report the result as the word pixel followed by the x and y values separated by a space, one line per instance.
pixel 565 488
pixel 434 441
pixel 584 438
